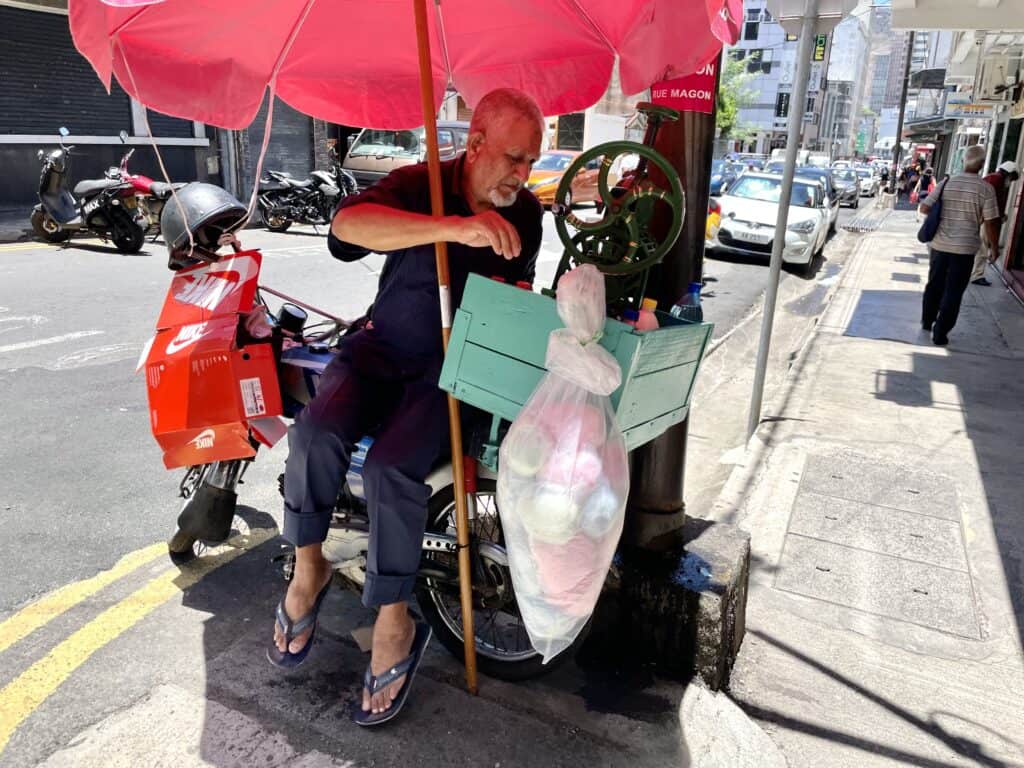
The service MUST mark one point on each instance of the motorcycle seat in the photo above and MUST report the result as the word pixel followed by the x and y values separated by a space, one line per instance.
pixel 91 186
pixel 301 184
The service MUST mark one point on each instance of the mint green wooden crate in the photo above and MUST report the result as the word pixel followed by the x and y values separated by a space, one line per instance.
pixel 500 336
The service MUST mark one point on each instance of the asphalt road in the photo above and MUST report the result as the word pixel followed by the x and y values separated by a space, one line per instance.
pixel 82 486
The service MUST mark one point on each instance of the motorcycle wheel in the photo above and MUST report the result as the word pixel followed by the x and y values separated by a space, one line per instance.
pixel 503 647
pixel 276 222
pixel 46 228
pixel 127 236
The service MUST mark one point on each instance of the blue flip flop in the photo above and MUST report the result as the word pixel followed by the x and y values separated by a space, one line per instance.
pixel 286 659
pixel 376 683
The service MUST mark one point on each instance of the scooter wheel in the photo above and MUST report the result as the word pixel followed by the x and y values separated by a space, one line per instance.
pixel 128 236
pixel 46 228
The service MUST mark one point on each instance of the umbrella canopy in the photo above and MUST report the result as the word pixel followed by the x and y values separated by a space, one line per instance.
pixel 355 62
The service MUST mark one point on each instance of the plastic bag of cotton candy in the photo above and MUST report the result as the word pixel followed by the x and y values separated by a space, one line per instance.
pixel 563 476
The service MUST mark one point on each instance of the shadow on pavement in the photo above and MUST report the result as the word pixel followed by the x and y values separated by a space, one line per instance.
pixel 961 746
pixel 595 713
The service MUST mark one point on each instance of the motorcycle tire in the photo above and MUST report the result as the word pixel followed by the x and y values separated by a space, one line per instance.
pixel 440 610
pixel 47 229
pixel 127 236
pixel 276 223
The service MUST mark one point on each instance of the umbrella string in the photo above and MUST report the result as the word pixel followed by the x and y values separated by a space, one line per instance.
pixel 156 149
pixel 272 89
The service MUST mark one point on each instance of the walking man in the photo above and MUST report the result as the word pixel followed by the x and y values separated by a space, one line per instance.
pixel 1001 180
pixel 967 202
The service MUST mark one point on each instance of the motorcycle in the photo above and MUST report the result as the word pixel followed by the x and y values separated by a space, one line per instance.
pixel 151 195
pixel 104 207
pixel 219 335
pixel 284 200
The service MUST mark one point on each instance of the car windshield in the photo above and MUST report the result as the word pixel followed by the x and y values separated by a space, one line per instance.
pixel 552 162
pixel 845 175
pixel 769 190
pixel 863 173
pixel 387 143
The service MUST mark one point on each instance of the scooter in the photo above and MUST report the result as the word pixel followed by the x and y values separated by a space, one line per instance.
pixel 219 335
pixel 285 200
pixel 152 195
pixel 103 207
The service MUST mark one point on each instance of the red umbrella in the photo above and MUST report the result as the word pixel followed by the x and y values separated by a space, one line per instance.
pixel 353 62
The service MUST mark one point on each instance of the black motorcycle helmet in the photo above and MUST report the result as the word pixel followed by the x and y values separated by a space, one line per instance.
pixel 206 210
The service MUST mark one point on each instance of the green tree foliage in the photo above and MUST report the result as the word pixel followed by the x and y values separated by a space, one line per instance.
pixel 733 95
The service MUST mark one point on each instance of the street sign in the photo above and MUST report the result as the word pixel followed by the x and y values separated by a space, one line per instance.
pixel 960 107
pixel 820 44
pixel 693 93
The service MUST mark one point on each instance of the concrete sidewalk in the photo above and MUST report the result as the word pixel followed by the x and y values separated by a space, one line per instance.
pixel 883 495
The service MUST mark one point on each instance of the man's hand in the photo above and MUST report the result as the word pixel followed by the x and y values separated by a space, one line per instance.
pixel 487 229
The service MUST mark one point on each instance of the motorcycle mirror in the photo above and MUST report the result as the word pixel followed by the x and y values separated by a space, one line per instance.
pixel 63 131
pixel 40 154
pixel 123 136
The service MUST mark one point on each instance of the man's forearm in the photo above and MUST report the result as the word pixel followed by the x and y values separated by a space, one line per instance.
pixel 381 228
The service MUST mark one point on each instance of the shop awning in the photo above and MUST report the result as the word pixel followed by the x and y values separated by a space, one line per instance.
pixel 928 79
pixel 958 14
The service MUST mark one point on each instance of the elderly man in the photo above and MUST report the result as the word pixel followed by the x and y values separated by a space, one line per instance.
pixel 967 203
pixel 385 380
pixel 1001 180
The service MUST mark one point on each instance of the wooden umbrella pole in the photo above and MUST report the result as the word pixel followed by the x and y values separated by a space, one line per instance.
pixel 443 282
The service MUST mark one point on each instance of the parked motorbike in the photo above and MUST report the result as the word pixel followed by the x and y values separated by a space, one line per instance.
pixel 219 335
pixel 151 195
pixel 284 200
pixel 103 207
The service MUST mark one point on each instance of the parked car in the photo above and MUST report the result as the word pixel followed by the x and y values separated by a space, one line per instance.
pixel 848 186
pixel 749 211
pixel 551 166
pixel 723 173
pixel 824 175
pixel 869 181
pixel 375 153
pixel 774 166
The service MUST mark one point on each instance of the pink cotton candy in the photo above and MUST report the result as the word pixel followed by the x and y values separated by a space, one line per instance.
pixel 567 572
pixel 576 470
pixel 583 424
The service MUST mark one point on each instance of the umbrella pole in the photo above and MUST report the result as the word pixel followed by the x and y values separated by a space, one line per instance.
pixel 454 422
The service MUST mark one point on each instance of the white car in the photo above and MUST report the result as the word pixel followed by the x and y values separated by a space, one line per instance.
pixel 870 180
pixel 748 213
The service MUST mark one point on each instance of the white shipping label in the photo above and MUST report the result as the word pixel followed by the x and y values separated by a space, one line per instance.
pixel 252 397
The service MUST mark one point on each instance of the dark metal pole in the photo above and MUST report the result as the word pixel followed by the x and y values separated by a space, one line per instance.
pixel 656 506
pixel 898 148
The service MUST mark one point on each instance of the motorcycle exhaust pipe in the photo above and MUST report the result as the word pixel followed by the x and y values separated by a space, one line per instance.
pixel 208 513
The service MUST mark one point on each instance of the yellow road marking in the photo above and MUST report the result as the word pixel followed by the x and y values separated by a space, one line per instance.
pixel 20 246
pixel 32 617
pixel 20 697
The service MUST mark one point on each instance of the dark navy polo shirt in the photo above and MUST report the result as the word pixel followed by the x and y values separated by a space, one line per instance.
pixel 406 314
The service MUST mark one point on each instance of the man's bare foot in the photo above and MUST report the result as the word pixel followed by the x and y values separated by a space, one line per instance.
pixel 393 635
pixel 312 574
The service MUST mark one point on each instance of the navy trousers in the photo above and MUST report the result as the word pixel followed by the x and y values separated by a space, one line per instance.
pixel 364 389
pixel 948 276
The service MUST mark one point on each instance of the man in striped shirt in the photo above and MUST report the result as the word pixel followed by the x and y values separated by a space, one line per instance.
pixel 967 202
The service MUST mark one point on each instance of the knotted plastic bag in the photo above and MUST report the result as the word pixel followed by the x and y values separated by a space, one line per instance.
pixel 562 474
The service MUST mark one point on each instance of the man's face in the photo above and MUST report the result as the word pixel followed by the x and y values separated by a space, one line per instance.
pixel 499 161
